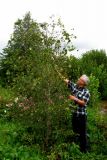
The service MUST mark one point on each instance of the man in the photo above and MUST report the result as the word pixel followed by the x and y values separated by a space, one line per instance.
pixel 80 95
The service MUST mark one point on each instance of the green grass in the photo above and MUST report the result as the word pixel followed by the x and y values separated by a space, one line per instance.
pixel 11 149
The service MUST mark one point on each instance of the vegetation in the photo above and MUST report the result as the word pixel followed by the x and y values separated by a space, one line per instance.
pixel 35 113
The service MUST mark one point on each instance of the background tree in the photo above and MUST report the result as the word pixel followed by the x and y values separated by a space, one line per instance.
pixel 95 63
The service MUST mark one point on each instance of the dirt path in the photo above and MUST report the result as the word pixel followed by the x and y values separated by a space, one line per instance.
pixel 104 107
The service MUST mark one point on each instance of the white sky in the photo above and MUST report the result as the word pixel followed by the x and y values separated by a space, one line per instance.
pixel 87 17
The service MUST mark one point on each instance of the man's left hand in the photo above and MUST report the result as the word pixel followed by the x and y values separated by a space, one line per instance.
pixel 71 97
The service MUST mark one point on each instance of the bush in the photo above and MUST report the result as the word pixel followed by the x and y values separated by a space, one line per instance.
pixel 93 88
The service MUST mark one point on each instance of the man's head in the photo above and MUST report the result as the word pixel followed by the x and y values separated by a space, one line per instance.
pixel 83 81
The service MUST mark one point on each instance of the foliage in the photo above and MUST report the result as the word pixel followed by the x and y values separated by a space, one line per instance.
pixel 18 142
pixel 11 148
pixel 34 106
pixel 66 151
pixel 30 65
pixel 32 45
pixel 93 88
pixel 94 58
pixel 23 140
pixel 73 68
pixel 97 141
pixel 97 131
pixel 95 62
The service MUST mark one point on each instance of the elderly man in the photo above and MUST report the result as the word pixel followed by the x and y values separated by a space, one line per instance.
pixel 80 95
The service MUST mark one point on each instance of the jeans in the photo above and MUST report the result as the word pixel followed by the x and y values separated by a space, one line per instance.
pixel 79 127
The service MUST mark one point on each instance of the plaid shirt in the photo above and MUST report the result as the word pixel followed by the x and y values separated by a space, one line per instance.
pixel 81 93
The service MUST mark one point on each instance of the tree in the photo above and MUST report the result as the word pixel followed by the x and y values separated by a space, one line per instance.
pixel 30 43
pixel 33 54
pixel 73 69
pixel 95 63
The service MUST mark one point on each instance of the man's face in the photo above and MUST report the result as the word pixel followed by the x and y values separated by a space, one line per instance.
pixel 81 82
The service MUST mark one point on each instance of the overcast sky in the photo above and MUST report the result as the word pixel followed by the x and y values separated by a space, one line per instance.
pixel 87 17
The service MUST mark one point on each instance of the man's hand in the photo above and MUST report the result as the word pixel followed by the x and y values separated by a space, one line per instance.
pixel 80 102
pixel 66 81
pixel 72 97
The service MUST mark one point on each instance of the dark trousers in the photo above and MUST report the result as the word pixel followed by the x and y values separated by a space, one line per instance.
pixel 79 127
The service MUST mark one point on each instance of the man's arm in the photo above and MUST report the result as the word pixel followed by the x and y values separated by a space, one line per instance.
pixel 78 101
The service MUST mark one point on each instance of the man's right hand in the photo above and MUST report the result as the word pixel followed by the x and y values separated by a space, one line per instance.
pixel 66 81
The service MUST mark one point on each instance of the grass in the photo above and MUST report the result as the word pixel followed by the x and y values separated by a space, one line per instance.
pixel 11 149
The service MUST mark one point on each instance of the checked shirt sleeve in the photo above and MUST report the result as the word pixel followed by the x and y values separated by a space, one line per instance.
pixel 86 97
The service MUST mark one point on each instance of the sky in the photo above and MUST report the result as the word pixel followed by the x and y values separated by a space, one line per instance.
pixel 87 17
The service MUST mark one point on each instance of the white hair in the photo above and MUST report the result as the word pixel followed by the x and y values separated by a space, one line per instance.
pixel 85 78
